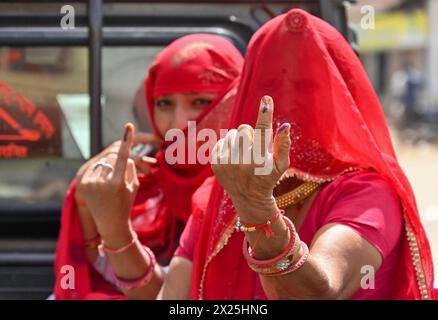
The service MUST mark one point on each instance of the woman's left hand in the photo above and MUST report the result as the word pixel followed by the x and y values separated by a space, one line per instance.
pixel 250 182
pixel 110 186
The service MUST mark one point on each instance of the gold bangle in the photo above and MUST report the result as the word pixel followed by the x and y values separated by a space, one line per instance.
pixel 92 243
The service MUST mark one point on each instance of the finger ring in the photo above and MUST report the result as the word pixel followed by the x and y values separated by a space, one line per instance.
pixel 103 164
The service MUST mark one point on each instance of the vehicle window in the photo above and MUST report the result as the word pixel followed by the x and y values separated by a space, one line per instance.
pixel 44 121
pixel 44 114
pixel 124 71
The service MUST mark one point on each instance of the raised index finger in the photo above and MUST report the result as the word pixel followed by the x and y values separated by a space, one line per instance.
pixel 266 110
pixel 124 152
pixel 263 128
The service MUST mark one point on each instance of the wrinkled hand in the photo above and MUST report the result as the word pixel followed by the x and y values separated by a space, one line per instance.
pixel 109 190
pixel 248 170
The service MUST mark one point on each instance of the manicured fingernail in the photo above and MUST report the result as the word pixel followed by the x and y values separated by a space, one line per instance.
pixel 283 127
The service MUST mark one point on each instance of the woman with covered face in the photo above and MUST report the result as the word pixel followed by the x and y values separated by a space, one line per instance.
pixel 333 216
pixel 119 227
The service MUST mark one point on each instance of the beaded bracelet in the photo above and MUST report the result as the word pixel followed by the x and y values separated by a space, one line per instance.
pixel 143 280
pixel 250 227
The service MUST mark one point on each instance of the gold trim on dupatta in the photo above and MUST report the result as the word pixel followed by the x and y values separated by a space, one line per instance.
pixel 312 178
pixel 416 259
pixel 220 245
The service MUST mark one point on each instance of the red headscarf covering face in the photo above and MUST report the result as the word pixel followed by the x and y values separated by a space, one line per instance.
pixel 318 85
pixel 191 64
pixel 197 63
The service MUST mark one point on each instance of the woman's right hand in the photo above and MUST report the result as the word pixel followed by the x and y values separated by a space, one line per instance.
pixel 79 194
pixel 110 188
pixel 249 187
pixel 144 164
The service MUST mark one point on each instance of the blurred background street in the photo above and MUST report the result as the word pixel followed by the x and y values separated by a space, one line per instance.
pixel 401 57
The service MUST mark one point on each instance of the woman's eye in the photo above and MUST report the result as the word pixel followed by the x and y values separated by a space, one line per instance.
pixel 201 102
pixel 163 103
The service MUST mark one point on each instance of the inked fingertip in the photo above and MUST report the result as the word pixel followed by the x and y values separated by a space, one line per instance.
pixel 266 103
pixel 125 135
pixel 129 129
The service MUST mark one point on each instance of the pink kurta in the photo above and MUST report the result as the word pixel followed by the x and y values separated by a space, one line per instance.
pixel 360 200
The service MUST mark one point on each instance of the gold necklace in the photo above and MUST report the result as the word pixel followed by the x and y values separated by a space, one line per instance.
pixel 297 195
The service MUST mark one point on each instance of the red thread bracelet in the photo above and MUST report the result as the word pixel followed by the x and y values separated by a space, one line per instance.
pixel 244 226
pixel 291 247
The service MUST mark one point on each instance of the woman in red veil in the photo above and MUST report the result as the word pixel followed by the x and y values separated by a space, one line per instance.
pixel 356 212
pixel 193 65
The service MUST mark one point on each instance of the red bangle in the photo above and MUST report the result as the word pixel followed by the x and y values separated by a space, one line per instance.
pixel 144 280
pixel 250 227
pixel 290 248
pixel 284 266
pixel 296 265
pixel 102 248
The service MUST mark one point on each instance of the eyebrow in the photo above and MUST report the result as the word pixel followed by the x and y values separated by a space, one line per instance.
pixel 198 93
pixel 169 96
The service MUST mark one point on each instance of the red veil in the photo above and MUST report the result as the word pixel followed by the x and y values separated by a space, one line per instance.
pixel 318 85
pixel 194 63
